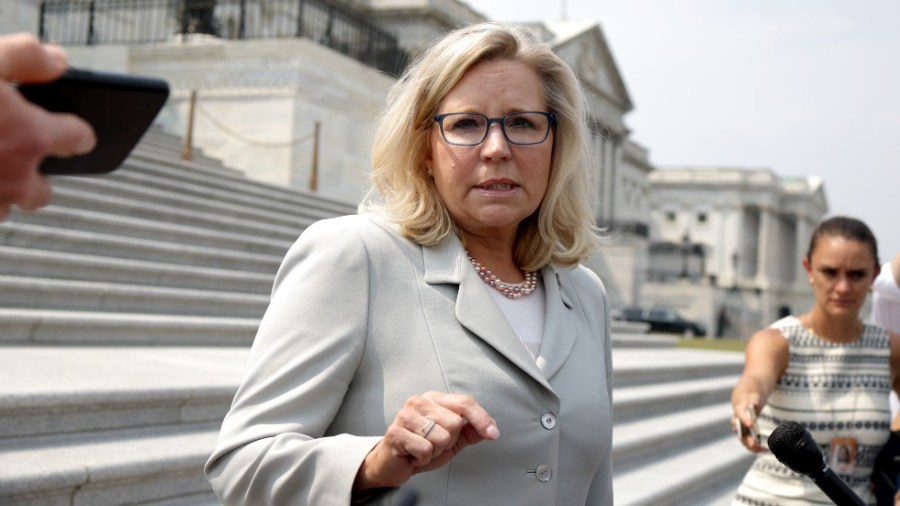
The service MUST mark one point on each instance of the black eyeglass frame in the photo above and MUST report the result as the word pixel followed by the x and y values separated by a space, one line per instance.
pixel 551 122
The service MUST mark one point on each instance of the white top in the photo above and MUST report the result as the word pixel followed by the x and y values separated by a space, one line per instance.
pixel 886 300
pixel 836 391
pixel 525 315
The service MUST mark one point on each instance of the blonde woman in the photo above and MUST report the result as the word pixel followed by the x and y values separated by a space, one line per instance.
pixel 446 339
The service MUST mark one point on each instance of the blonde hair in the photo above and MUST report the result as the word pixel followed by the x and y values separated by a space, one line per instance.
pixel 562 231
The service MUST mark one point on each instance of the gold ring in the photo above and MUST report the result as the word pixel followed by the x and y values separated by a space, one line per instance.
pixel 428 428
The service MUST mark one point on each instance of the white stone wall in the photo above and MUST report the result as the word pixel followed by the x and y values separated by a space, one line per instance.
pixel 258 101
pixel 621 264
pixel 766 220
pixel 633 191
pixel 19 16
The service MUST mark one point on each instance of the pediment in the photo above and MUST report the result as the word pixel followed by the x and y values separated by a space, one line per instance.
pixel 583 46
pixel 818 194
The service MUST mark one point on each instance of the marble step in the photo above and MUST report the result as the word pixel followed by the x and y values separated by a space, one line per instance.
pixel 173 387
pixel 172 141
pixel 149 174
pixel 127 207
pixel 25 235
pixel 639 401
pixel 641 367
pixel 151 465
pixel 59 391
pixel 174 152
pixel 625 336
pixel 224 204
pixel 86 220
pixel 636 441
pixel 680 478
pixel 19 326
pixel 169 172
pixel 76 295
pixel 74 266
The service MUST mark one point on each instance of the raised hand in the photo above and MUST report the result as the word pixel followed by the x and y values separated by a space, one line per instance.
pixel 427 433
pixel 29 133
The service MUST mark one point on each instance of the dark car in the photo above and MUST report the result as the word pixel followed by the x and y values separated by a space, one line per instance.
pixel 663 320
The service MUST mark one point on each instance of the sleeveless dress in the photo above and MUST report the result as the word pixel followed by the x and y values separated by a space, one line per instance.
pixel 835 391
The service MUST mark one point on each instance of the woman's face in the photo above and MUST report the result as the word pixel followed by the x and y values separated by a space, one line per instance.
pixel 490 188
pixel 841 271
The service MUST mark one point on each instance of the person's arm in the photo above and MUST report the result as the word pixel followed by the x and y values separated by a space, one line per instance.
pixel 895 373
pixel 887 284
pixel 767 356
pixel 895 269
pixel 28 133
pixel 275 446
pixel 272 447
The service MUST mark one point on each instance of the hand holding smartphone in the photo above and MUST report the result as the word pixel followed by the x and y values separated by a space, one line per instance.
pixel 119 107
pixel 743 431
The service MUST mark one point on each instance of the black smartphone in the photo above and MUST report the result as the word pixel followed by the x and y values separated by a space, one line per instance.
pixel 120 108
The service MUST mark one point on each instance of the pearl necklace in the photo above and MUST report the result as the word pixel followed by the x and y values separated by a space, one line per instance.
pixel 510 290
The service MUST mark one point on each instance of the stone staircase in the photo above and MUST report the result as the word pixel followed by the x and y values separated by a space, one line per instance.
pixel 672 439
pixel 126 309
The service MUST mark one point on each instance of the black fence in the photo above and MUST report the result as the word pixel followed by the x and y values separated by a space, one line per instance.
pixel 93 22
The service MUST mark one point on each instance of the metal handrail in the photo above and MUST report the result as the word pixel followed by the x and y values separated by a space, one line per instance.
pixel 96 22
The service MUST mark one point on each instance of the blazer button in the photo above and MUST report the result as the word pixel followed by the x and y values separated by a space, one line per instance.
pixel 548 421
pixel 543 473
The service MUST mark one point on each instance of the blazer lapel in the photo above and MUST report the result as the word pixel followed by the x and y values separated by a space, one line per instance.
pixel 475 310
pixel 559 325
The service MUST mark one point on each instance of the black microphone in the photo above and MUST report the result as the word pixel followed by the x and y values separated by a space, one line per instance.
pixel 795 447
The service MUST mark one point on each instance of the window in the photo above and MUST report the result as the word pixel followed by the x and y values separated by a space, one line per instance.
pixel 632 313
pixel 702 218
pixel 663 315
pixel 670 216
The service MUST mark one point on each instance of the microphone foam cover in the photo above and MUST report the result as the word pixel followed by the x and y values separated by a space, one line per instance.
pixel 794 447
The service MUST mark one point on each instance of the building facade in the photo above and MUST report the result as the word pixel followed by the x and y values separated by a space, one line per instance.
pixel 290 96
pixel 622 166
pixel 739 234
pixel 266 78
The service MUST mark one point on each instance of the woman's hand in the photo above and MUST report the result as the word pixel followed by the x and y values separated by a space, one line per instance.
pixel 767 355
pixel 413 444
pixel 744 416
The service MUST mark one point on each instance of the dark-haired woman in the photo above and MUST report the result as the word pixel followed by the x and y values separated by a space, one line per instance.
pixel 824 369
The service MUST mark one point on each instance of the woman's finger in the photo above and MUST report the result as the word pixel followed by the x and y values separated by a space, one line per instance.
pixel 469 411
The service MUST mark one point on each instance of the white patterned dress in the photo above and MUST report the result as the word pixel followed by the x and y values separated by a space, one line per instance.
pixel 835 391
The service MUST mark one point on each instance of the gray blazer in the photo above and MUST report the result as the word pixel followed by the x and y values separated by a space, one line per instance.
pixel 361 319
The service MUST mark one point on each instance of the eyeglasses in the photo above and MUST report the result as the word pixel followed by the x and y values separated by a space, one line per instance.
pixel 471 128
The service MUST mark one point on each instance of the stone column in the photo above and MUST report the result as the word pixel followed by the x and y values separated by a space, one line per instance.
pixel 598 177
pixel 610 169
pixel 764 247
pixel 737 244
